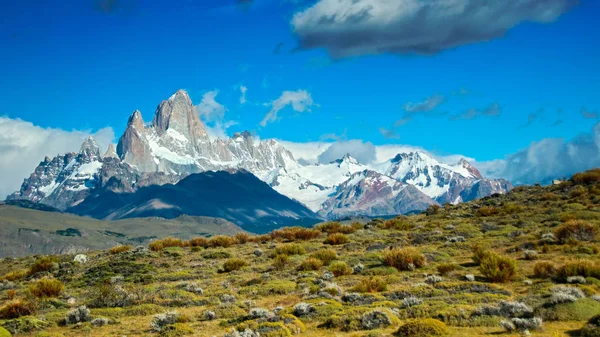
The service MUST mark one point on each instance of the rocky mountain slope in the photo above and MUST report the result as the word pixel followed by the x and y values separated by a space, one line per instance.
pixel 237 196
pixel 176 144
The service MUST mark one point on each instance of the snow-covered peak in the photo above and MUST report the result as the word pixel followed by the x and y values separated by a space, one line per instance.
pixel 473 171
pixel 180 94
pixel 89 147
pixel 347 159
pixel 111 152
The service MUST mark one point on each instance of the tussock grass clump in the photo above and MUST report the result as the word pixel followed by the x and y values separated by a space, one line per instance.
pixel 479 253
pixel 325 255
pixel 336 239
pixel 15 275
pixel 399 224
pixel 583 268
pixel 161 244
pixel 576 230
pixel 587 177
pixel 221 241
pixel 422 328
pixel 371 285
pixel 176 330
pixel 290 249
pixel 234 264
pixel 485 211
pixel 544 269
pixel 295 234
pixel 340 268
pixel 43 264
pixel 281 261
pixel 310 264
pixel 242 237
pixel 46 288
pixel 404 258
pixel 198 242
pixel 335 227
pixel 498 268
pixel 16 309
pixel 119 249
pixel 446 268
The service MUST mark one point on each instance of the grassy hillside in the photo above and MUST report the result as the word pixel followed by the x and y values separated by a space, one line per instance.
pixel 27 231
pixel 526 262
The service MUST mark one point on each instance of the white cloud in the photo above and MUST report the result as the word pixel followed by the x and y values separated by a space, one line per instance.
pixel 361 151
pixel 300 100
pixel 212 114
pixel 427 105
pixel 243 90
pixel 24 145
pixel 547 159
pixel 359 27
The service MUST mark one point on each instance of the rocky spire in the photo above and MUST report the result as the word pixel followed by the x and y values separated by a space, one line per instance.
pixel 178 113
pixel 89 147
pixel 111 152
pixel 136 121
pixel 472 169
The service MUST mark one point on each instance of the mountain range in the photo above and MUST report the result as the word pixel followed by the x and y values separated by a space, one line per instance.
pixel 171 167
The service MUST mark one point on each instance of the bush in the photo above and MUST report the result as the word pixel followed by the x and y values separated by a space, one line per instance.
pixel 290 249
pixel 218 254
pixel 44 264
pixel 242 237
pixel 15 275
pixel 583 268
pixel 446 268
pixel 295 233
pixel 422 328
pixel 498 268
pixel 371 285
pixel 592 327
pixel 47 288
pixel 310 264
pixel 158 245
pixel 176 330
pixel 281 261
pixel 325 255
pixel 587 177
pixel 479 254
pixel 198 242
pixel 544 269
pixel 329 227
pixel 576 230
pixel 399 224
pixel 16 309
pixel 404 258
pixel 234 264
pixel 119 249
pixel 78 315
pixel 336 239
pixel 4 332
pixel 340 268
pixel 221 241
pixel 484 211
pixel 162 320
pixel 110 296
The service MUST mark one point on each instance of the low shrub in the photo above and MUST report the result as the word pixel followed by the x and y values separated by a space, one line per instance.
pixel 47 288
pixel 158 245
pixel 119 249
pixel 370 285
pixel 234 264
pixel 4 332
pixel 310 264
pixel 176 330
pixel 198 242
pixel 242 237
pixel 544 269
pixel 290 249
pixel 587 177
pixel 329 227
pixel 325 255
pixel 592 327
pixel 16 309
pixel 576 230
pixel 583 268
pixel 399 224
pixel 295 233
pixel 44 264
pixel 484 211
pixel 15 275
pixel 404 258
pixel 422 328
pixel 479 253
pixel 498 268
pixel 216 254
pixel 336 239
pixel 446 268
pixel 221 241
pixel 281 261
pixel 78 315
pixel 340 268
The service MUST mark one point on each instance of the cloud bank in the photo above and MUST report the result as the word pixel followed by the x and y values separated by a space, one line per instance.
pixel 212 114
pixel 24 145
pixel 348 28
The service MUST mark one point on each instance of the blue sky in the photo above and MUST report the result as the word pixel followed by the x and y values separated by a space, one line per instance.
pixel 86 65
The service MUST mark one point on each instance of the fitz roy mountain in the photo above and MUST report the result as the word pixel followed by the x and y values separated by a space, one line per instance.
pixel 158 157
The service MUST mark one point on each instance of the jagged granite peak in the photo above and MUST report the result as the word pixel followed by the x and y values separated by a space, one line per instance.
pixel 89 147
pixel 136 121
pixel 179 114
pixel 111 152
pixel 347 158
pixel 469 167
